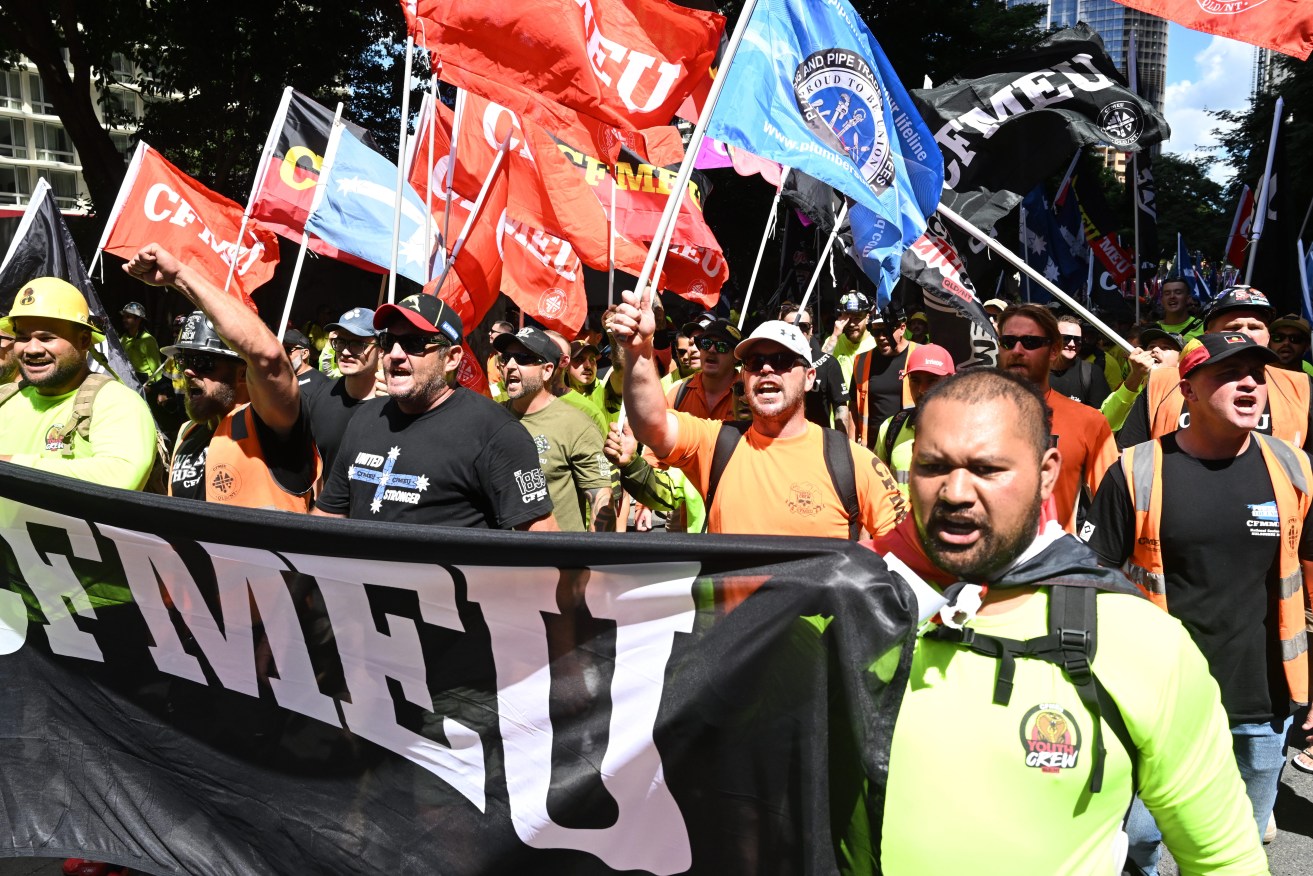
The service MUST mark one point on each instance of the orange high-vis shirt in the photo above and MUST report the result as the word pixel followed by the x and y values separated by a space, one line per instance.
pixel 781 486
pixel 1087 449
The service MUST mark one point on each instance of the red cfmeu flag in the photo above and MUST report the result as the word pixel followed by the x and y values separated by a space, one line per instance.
pixel 158 203
pixel 543 276
pixel 572 64
pixel 1237 242
pixel 287 188
pixel 1285 26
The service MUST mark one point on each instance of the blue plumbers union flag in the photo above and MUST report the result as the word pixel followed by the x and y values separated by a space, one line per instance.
pixel 810 88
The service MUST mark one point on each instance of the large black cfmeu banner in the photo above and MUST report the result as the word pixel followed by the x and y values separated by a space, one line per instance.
pixel 192 690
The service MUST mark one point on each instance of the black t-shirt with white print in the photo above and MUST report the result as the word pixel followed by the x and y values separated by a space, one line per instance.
pixel 468 462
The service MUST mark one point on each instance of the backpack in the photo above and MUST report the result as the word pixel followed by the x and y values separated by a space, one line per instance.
pixel 1070 644
pixel 838 462
pixel 896 423
pixel 79 426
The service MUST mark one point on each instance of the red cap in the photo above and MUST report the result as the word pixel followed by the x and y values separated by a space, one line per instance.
pixel 929 359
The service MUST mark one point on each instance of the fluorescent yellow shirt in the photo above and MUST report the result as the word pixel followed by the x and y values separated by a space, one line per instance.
pixel 121 449
pixel 143 352
pixel 846 352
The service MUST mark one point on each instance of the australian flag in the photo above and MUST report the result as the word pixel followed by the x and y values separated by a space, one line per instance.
pixel 357 190
pixel 810 88
pixel 1185 269
pixel 1045 249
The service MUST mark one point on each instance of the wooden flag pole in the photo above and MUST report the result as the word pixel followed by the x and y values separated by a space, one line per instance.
pixel 330 152
pixel 761 250
pixel 280 118
pixel 820 260
pixel 1260 206
pixel 401 171
pixel 1020 264
pixel 665 227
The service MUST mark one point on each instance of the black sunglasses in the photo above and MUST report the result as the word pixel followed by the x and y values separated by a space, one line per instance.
pixel 521 357
pixel 778 362
pixel 1288 338
pixel 1028 342
pixel 707 344
pixel 804 327
pixel 354 346
pixel 199 364
pixel 1071 339
pixel 411 345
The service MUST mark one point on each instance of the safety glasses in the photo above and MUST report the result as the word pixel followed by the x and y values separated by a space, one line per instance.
pixel 411 345
pixel 1028 342
pixel 707 344
pixel 199 364
pixel 778 362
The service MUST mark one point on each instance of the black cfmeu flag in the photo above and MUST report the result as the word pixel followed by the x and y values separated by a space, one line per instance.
pixel 958 322
pixel 1100 224
pixel 1276 266
pixel 1147 205
pixel 1006 125
pixel 190 689
pixel 43 247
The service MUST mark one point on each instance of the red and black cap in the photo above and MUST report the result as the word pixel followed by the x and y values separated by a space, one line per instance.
pixel 428 313
pixel 1211 348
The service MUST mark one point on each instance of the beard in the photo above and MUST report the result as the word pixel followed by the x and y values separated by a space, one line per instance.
pixel 527 387
pixel 993 551
pixel 63 372
pixel 210 405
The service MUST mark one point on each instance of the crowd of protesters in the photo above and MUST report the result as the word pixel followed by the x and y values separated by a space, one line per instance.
pixel 1183 464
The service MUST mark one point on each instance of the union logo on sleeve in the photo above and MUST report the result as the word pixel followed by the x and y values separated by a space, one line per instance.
pixel 1051 738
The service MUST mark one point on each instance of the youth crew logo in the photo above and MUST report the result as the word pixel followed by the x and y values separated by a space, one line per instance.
pixel 1123 122
pixel 1051 738
pixel 842 105
pixel 55 438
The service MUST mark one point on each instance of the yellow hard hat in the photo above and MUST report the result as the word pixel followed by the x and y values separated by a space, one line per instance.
pixel 52 298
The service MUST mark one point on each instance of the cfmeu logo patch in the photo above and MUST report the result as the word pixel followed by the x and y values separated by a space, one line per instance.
pixel 1051 738
pixel 842 105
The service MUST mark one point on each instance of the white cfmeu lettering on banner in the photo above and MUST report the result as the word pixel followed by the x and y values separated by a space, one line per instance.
pixel 635 64
pixel 495 133
pixel 183 215
pixel 650 603
pixel 51 579
pixel 1033 91
pixel 370 659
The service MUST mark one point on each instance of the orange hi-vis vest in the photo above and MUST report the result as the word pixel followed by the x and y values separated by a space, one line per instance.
pixel 1291 475
pixel 862 383
pixel 1287 400
pixel 236 473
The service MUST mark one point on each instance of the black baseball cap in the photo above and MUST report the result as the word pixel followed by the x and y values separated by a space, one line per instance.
pixel 428 313
pixel 1213 347
pixel 534 340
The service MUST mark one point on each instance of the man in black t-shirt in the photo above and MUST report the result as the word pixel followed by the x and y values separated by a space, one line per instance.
pixel 1071 375
pixel 330 408
pixel 434 452
pixel 876 393
pixel 1220 547
pixel 825 403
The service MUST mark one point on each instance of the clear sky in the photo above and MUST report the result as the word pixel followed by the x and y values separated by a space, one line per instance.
pixel 1204 72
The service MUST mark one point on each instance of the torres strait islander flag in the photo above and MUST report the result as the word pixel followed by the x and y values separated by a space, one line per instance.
pixel 158 203
pixel 1284 26
pixel 584 69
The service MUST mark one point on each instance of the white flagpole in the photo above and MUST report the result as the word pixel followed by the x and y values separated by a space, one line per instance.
pixel 474 213
pixel 1025 245
pixel 261 172
pixel 1303 275
pixel 1089 281
pixel 610 241
pixel 1021 265
pixel 665 227
pixel 1260 206
pixel 401 171
pixel 129 180
pixel 457 116
pixel 330 152
pixel 428 192
pixel 1135 175
pixel 761 250
pixel 1066 177
pixel 820 260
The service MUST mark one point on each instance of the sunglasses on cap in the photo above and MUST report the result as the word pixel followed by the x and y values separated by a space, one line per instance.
pixel 354 346
pixel 411 345
pixel 199 364
pixel 520 357
pixel 707 344
pixel 1070 341
pixel 779 362
pixel 1028 342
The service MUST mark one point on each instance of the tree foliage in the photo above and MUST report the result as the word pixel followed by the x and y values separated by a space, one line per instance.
pixel 1192 203
pixel 211 73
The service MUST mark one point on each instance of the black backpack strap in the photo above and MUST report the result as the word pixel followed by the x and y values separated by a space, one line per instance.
pixel 727 439
pixel 896 423
pixel 839 463
pixel 681 393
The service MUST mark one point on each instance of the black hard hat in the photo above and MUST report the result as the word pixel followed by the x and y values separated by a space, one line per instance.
pixel 197 333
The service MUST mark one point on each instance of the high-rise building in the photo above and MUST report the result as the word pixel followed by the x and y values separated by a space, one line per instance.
pixel 1115 24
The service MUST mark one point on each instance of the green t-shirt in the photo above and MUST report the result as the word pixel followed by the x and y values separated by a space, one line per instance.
pixel 900 461
pixel 1191 328
pixel 121 449
pixel 143 352
pixel 985 789
pixel 570 453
